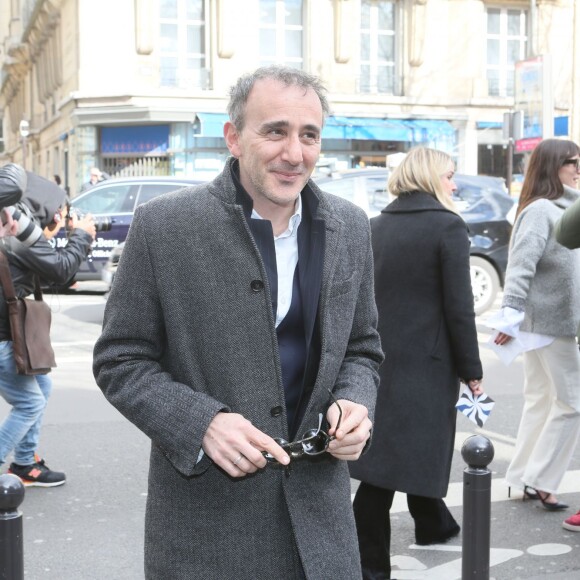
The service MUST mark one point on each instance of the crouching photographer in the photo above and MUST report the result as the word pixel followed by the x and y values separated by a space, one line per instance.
pixel 30 256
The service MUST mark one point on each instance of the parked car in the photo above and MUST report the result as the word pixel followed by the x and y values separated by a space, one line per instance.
pixel 482 201
pixel 112 203
pixel 110 268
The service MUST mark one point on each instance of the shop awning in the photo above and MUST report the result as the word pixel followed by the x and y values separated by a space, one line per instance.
pixel 210 124
pixel 560 126
pixel 366 128
pixel 429 130
pixel 360 128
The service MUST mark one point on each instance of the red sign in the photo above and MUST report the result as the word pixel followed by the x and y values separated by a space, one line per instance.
pixel 527 144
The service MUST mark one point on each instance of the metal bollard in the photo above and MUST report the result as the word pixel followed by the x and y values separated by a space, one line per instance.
pixel 11 552
pixel 477 452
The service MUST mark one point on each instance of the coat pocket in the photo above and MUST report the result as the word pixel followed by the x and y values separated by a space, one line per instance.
pixel 343 286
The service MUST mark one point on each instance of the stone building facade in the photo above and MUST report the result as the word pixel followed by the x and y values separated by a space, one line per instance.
pixel 140 86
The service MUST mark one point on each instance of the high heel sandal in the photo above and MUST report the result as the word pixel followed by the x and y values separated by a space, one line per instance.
pixel 528 493
pixel 550 506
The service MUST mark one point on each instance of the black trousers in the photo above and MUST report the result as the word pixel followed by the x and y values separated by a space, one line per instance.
pixel 433 523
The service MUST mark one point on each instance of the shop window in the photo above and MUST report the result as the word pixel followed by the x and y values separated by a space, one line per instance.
pixel 281 32
pixel 506 42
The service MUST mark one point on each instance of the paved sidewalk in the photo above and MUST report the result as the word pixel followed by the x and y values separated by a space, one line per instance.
pixel 92 527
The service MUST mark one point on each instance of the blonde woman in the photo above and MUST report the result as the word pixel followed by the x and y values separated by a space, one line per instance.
pixel 428 333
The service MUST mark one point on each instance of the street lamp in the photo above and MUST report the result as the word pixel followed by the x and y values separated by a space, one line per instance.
pixel 24 129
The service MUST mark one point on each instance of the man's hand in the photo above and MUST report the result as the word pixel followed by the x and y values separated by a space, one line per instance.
pixel 236 446
pixel 86 223
pixel 354 430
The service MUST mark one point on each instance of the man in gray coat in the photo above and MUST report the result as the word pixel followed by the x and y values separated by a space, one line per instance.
pixel 243 317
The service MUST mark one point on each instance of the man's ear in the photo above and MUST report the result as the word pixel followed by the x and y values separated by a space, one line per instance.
pixel 232 139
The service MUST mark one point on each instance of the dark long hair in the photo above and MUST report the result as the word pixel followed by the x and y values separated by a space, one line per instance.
pixel 541 180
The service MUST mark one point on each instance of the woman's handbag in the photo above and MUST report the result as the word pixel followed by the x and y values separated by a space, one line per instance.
pixel 30 326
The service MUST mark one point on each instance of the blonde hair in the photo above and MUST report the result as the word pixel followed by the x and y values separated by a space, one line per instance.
pixel 421 170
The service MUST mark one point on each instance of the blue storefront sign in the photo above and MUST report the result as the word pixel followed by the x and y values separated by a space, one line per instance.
pixel 140 139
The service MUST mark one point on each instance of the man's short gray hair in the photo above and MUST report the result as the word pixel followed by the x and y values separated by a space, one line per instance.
pixel 240 92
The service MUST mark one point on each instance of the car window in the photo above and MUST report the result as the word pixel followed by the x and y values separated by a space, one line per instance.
pixel 118 198
pixel 342 187
pixel 483 202
pixel 151 190
pixel 377 193
pixel 468 194
pixel 367 191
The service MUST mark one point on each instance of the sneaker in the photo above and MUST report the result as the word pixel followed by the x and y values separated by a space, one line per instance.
pixel 572 523
pixel 38 474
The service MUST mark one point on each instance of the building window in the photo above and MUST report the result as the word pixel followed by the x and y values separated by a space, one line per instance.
pixel 377 47
pixel 506 44
pixel 281 32
pixel 183 43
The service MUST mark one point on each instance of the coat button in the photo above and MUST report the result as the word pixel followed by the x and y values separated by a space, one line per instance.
pixel 276 411
pixel 257 285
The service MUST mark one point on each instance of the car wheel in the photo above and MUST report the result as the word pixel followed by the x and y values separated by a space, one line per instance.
pixel 484 283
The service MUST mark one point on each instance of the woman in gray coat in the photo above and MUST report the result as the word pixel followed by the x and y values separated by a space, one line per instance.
pixel 541 310
pixel 428 333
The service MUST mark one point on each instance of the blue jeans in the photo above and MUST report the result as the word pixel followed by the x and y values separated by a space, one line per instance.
pixel 28 396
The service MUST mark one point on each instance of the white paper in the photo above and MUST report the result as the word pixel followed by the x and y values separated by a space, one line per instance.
pixel 508 320
pixel 506 352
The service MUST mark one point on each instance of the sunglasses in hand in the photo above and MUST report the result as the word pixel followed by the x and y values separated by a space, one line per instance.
pixel 313 442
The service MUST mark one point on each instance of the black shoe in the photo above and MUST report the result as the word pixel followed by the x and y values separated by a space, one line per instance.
pixel 550 506
pixel 38 474
pixel 530 493
pixel 440 539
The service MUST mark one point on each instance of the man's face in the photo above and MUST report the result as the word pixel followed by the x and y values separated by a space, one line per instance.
pixel 279 144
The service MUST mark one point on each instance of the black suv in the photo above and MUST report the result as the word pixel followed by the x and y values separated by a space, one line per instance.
pixel 483 202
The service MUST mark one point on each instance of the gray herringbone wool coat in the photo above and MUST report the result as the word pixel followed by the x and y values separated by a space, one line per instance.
pixel 186 334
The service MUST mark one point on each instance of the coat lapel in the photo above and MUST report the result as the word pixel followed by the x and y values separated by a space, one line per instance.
pixel 311 243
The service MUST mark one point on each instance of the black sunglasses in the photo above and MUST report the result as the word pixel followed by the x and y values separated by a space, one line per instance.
pixel 575 162
pixel 313 442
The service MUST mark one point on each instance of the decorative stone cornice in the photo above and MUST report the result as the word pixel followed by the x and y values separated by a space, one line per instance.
pixel 17 61
pixel 416 32
pixel 144 26
pixel 228 18
pixel 343 11
pixel 42 28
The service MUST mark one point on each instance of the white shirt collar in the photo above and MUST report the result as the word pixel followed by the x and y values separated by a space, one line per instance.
pixel 293 222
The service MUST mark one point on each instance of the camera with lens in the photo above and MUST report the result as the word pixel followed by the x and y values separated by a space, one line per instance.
pixel 102 224
pixel 28 231
pixel 13 182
